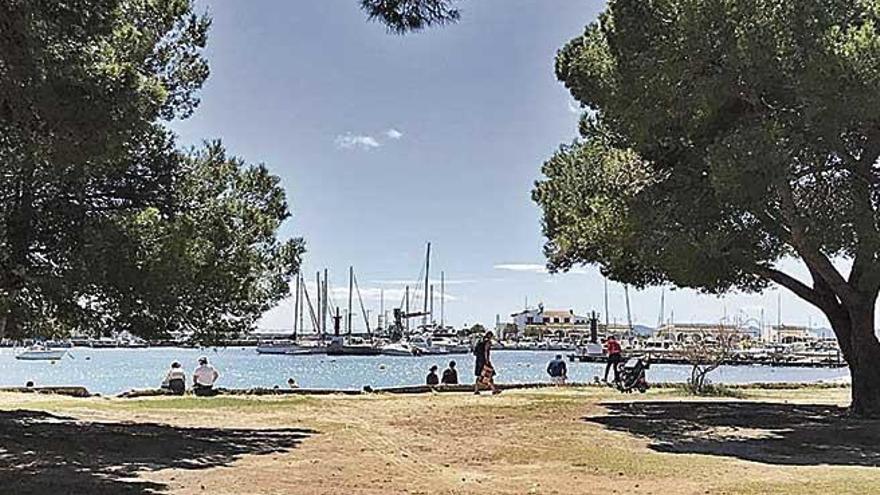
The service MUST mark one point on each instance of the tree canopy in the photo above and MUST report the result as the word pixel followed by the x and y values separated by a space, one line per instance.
pixel 719 138
pixel 404 16
pixel 105 224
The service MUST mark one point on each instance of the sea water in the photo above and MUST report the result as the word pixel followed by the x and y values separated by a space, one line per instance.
pixel 111 371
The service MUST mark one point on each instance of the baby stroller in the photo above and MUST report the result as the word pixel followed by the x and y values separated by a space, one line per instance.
pixel 631 375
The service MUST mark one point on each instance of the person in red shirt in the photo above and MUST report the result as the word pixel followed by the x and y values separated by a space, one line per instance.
pixel 612 348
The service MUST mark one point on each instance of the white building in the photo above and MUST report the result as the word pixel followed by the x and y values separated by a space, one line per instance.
pixel 541 322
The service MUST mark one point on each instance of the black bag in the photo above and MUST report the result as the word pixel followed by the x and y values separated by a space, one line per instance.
pixel 480 349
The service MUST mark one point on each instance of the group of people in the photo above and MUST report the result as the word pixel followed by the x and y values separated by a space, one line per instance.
pixel 204 377
pixel 484 370
pixel 450 375
pixel 558 370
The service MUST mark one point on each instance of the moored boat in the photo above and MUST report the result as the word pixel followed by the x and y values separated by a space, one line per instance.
pixel 41 353
pixel 352 346
pixel 399 349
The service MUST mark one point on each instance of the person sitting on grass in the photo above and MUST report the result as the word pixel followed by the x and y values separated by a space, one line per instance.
pixel 450 375
pixel 557 370
pixel 204 377
pixel 175 379
pixel 483 369
pixel 432 379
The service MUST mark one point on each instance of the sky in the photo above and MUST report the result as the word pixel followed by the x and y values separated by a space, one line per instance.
pixel 385 142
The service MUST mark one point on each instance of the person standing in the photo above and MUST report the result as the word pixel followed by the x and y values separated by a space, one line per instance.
pixel 432 379
pixel 450 375
pixel 204 377
pixel 483 369
pixel 612 347
pixel 557 370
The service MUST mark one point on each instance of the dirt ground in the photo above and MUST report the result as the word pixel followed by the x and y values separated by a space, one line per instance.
pixel 547 441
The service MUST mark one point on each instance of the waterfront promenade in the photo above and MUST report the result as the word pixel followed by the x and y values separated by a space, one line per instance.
pixel 545 441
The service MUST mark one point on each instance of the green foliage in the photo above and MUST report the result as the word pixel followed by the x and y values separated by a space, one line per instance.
pixel 104 224
pixel 212 268
pixel 404 16
pixel 721 136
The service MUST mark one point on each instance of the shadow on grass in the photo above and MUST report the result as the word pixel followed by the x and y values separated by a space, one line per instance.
pixel 45 453
pixel 786 434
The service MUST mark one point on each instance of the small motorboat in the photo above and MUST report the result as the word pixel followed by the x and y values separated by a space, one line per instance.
pixel 399 349
pixel 41 353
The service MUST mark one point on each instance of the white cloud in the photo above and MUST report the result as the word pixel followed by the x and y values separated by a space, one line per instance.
pixel 522 267
pixel 574 108
pixel 534 268
pixel 393 133
pixel 362 141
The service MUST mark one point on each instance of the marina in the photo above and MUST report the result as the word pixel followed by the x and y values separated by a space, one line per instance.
pixel 112 371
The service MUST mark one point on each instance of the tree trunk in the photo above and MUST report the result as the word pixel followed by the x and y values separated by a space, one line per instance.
pixel 864 363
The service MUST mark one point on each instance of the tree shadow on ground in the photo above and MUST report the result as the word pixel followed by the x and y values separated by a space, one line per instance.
pixel 44 453
pixel 786 434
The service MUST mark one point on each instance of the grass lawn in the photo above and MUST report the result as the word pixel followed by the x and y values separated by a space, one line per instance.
pixel 545 441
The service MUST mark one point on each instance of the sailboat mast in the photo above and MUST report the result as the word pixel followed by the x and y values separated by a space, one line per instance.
pixel 778 310
pixel 313 315
pixel 606 305
pixel 381 319
pixel 302 291
pixel 629 320
pixel 442 299
pixel 662 308
pixel 326 308
pixel 318 306
pixel 431 308
pixel 350 290
pixel 296 307
pixel 406 307
pixel 427 278
pixel 364 311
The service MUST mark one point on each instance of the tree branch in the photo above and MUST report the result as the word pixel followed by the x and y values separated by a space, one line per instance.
pixel 800 289
pixel 811 256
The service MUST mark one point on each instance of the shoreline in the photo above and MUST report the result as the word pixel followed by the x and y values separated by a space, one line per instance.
pixel 77 391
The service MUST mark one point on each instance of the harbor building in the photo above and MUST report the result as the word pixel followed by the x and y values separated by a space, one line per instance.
pixel 789 334
pixel 540 322
pixel 689 332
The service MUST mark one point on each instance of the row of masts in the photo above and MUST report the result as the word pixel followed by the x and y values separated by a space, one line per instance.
pixel 321 311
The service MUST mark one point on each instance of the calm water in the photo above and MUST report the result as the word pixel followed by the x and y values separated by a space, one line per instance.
pixel 110 371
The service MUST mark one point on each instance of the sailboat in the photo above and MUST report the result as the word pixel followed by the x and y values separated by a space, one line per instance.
pixel 294 346
pixel 405 341
pixel 349 344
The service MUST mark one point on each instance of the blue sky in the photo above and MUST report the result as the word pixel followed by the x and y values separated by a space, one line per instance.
pixel 384 143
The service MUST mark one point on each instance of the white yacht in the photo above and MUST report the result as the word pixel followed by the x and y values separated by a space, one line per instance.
pixel 401 348
pixel 427 346
pixel 288 347
pixel 41 353
pixel 452 345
